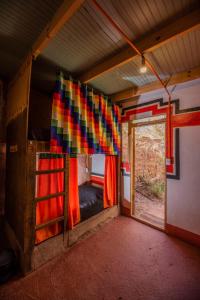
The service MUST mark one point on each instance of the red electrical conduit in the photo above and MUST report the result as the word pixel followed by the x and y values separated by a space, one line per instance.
pixel 149 65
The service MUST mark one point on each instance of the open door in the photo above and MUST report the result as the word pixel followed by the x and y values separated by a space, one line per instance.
pixel 148 184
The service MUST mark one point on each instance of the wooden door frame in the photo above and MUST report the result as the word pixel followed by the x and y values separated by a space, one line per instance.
pixel 131 135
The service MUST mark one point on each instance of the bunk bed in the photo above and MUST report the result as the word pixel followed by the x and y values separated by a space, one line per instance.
pixel 91 194
pixel 91 200
pixel 78 121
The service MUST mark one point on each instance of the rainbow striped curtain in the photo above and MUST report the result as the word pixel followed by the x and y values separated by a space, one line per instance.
pixel 83 122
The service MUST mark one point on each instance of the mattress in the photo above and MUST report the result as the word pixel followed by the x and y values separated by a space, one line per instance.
pixel 91 200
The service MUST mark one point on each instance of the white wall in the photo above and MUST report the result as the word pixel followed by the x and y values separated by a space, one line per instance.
pixel 127 189
pixel 183 196
pixel 98 164
pixel 187 92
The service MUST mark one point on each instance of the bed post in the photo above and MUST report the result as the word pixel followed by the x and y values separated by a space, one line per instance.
pixel 65 206
pixel 119 172
pixel 118 180
pixel 29 236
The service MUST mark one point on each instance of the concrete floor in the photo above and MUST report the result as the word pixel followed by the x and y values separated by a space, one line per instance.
pixel 124 260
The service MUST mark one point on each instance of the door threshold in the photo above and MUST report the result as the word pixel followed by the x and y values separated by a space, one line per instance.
pixel 148 224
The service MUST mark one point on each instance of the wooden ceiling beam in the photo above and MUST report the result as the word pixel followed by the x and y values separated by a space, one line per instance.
pixel 61 16
pixel 169 32
pixel 173 80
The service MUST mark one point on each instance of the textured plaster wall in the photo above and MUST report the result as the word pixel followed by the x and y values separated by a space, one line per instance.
pixel 183 196
pixel 98 164
pixel 83 169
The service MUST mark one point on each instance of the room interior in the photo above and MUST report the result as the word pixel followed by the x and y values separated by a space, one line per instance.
pixel 75 79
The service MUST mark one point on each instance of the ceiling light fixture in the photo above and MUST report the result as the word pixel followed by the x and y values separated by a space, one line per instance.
pixel 143 68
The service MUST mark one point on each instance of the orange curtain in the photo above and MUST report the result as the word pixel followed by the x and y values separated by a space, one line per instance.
pixel 47 210
pixel 110 181
pixel 73 203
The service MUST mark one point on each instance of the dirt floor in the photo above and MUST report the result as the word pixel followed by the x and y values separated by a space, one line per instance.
pixel 124 260
pixel 149 210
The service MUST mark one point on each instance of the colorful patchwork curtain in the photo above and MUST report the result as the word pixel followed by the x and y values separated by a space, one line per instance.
pixel 83 122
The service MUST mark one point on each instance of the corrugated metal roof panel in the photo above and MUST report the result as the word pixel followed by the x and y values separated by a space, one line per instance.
pixel 122 78
pixel 88 37
pixel 181 54
pixel 83 41
pixel 21 22
pixel 138 17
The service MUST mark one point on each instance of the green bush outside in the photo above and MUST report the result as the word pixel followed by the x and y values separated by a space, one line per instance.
pixel 155 188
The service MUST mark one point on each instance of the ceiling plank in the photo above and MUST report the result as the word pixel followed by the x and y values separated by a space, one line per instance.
pixel 61 16
pixel 175 79
pixel 169 32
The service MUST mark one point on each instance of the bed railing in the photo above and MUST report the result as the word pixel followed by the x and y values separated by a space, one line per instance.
pixel 35 151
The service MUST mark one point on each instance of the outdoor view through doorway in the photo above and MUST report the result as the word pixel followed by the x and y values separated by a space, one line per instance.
pixel 149 173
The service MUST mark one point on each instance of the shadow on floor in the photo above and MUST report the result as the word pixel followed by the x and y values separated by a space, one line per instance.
pixel 123 260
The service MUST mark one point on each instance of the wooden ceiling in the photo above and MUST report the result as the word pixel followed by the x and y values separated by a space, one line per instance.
pixel 80 41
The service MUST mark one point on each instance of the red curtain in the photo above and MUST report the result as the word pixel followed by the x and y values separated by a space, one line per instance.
pixel 73 203
pixel 47 210
pixel 110 181
pixel 47 184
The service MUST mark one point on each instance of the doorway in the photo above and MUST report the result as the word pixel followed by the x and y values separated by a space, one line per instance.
pixel 148 186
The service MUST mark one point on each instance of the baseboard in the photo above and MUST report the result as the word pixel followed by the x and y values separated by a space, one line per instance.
pixel 125 211
pixel 183 234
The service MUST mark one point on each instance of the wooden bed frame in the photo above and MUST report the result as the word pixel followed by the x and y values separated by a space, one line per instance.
pixel 56 245
pixel 39 254
pixel 22 237
pixel 32 111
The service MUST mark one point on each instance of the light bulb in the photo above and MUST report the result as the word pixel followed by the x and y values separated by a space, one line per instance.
pixel 143 69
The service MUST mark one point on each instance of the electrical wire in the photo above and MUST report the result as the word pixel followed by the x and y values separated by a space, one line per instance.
pixel 148 64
